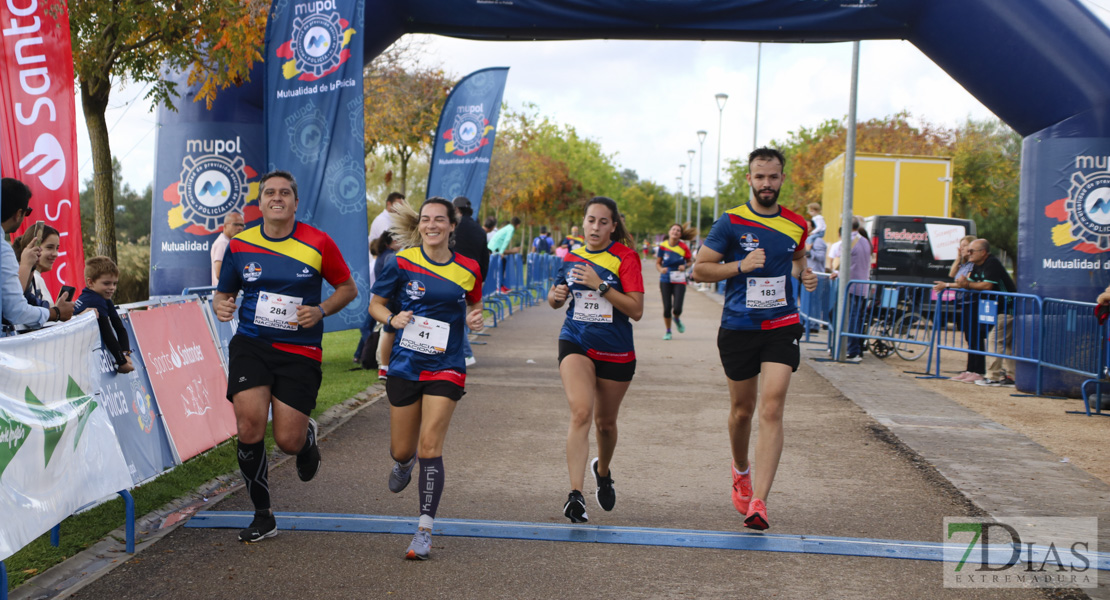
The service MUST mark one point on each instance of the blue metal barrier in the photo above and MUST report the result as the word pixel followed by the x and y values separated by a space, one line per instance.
pixel 814 307
pixel 1008 323
pixel 889 317
pixel 1072 340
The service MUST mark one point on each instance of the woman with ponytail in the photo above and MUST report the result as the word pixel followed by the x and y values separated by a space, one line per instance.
pixel 427 370
pixel 671 261
pixel 604 287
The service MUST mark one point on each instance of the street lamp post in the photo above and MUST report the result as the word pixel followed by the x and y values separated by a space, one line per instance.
pixel 677 197
pixel 690 197
pixel 701 169
pixel 678 203
pixel 721 99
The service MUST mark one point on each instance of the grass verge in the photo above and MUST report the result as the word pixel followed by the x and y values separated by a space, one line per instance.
pixel 85 529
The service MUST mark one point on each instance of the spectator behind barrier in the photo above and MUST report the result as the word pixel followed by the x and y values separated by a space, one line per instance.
pixel 543 244
pixel 470 241
pixel 13 304
pixel 967 313
pixel 47 239
pixel 101 279
pixel 233 226
pixel 989 275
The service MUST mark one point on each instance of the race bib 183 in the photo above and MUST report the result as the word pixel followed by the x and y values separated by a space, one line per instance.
pixel 766 292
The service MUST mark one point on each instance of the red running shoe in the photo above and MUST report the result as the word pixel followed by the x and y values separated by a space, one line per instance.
pixel 741 490
pixel 757 516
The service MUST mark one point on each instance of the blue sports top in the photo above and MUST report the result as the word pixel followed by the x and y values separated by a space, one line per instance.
pixel 281 274
pixel 673 258
pixel 430 348
pixel 764 298
pixel 605 334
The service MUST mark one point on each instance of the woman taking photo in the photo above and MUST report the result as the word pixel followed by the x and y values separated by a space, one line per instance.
pixel 671 261
pixel 605 288
pixel 966 308
pixel 427 372
pixel 33 264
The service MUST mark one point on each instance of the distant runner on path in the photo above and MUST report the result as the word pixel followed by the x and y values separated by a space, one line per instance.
pixel 605 286
pixel 759 248
pixel 672 261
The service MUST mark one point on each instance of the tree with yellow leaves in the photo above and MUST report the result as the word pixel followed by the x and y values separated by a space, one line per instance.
pixel 215 41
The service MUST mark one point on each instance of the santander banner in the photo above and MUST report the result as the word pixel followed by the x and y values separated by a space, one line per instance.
pixel 38 131
pixel 186 375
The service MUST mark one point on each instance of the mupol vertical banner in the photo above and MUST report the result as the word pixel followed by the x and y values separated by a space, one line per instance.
pixel 207 165
pixel 464 138
pixel 314 126
pixel 38 125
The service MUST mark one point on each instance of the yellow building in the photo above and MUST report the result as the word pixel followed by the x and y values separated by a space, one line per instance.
pixel 888 184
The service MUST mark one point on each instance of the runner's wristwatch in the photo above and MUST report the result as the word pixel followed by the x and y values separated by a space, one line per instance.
pixel 602 288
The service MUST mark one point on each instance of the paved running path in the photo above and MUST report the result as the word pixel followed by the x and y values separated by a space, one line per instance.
pixel 504 461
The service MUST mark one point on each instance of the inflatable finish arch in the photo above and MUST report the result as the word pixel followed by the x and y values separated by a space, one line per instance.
pixel 1042 66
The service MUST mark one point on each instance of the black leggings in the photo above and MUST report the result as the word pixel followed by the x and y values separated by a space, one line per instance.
pixel 677 291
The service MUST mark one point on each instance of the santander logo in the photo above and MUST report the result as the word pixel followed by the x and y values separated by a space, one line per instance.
pixel 49 162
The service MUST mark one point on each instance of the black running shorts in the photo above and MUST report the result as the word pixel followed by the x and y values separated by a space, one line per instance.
pixel 743 352
pixel 404 392
pixel 293 379
pixel 602 369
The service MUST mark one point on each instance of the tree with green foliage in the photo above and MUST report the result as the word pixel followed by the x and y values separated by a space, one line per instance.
pixel 986 162
pixel 402 107
pixel 215 41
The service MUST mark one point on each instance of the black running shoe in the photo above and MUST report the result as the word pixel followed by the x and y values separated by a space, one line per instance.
pixel 263 526
pixel 575 508
pixel 606 495
pixel 308 461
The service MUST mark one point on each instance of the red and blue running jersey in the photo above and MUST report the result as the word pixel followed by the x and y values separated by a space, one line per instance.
pixel 430 349
pixel 673 258
pixel 764 298
pixel 281 274
pixel 592 323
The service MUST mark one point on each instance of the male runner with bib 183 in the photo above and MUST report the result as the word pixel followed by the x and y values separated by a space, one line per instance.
pixel 759 248
pixel 274 358
pixel 440 295
pixel 605 286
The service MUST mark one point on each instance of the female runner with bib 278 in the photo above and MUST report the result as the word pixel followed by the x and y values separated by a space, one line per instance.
pixel 605 287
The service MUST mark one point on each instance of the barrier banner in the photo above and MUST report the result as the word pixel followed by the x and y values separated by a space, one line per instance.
pixel 135 414
pixel 314 127
pixel 58 450
pixel 38 125
pixel 186 376
pixel 464 139
pixel 208 165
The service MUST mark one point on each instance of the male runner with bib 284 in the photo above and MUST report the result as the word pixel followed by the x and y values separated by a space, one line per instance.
pixel 759 248
pixel 274 358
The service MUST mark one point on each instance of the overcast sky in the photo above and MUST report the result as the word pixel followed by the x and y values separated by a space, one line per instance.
pixel 645 101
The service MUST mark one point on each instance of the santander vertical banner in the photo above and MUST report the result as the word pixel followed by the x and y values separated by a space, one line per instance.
pixel 314 126
pixel 464 140
pixel 38 129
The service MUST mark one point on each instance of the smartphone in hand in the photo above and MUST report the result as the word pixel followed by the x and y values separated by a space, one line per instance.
pixel 39 229
pixel 66 293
